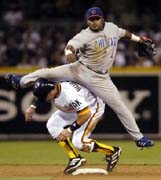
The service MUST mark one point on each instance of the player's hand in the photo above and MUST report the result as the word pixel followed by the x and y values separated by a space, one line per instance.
pixel 71 57
pixel 64 135
pixel 146 47
pixel 29 114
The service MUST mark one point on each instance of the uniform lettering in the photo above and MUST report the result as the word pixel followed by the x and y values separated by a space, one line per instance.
pixel 113 41
pixel 76 86
pixel 76 104
pixel 100 43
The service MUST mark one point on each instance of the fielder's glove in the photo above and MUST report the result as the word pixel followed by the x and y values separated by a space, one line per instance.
pixel 13 80
pixel 146 48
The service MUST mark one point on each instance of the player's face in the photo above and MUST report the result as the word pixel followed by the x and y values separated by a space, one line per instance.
pixel 51 95
pixel 95 23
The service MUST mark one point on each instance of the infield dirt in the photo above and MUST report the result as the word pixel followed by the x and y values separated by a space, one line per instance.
pixel 122 172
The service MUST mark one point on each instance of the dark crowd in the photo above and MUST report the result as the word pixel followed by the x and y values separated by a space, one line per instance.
pixel 35 33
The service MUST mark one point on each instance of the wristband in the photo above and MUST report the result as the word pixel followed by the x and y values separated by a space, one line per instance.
pixel 69 129
pixel 33 106
pixel 74 126
pixel 68 51
pixel 135 38
pixel 35 103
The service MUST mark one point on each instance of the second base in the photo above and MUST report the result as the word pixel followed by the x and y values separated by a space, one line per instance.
pixel 90 171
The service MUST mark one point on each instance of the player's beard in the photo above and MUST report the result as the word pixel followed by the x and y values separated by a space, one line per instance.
pixel 94 30
pixel 98 28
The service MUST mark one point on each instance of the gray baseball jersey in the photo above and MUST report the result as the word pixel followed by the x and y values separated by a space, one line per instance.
pixel 97 52
pixel 98 49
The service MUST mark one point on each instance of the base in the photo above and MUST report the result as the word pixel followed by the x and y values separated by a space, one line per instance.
pixel 90 171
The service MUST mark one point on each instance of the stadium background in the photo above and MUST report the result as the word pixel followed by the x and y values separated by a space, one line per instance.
pixel 33 35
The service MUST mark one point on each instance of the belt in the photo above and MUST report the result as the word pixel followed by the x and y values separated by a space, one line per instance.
pixel 99 72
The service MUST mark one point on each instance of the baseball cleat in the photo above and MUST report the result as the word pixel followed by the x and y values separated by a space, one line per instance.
pixel 144 142
pixel 112 159
pixel 13 80
pixel 73 164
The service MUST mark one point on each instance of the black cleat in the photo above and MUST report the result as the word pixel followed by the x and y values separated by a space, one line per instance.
pixel 73 164
pixel 113 159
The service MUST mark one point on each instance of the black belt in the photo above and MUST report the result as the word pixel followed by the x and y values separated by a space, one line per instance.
pixel 99 72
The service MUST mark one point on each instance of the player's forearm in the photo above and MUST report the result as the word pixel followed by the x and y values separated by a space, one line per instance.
pixel 35 103
pixel 132 37
pixel 83 116
pixel 29 113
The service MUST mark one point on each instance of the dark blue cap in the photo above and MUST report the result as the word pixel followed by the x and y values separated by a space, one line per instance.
pixel 94 12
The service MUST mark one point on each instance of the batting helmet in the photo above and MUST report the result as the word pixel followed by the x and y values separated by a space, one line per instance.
pixel 42 87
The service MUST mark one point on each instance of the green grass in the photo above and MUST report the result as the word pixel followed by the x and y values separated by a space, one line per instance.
pixel 49 153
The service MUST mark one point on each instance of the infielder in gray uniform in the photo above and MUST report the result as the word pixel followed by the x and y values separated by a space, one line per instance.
pixel 91 54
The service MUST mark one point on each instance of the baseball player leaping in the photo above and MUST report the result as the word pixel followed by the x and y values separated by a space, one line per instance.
pixel 96 47
pixel 78 113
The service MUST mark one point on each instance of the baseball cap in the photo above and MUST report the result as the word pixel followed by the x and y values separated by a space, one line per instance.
pixel 94 12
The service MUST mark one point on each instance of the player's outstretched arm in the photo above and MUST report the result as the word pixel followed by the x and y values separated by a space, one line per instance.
pixel 146 47
pixel 29 113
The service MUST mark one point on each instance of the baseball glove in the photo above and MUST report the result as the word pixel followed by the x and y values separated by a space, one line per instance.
pixel 146 48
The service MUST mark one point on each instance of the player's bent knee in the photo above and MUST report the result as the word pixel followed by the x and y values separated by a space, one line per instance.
pixel 53 129
pixel 77 144
pixel 86 148
pixel 81 146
